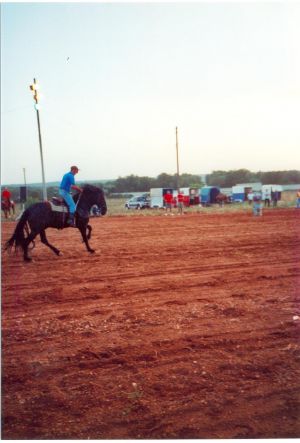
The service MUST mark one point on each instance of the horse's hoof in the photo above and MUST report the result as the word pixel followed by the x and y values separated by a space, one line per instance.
pixel 92 251
pixel 27 259
pixel 59 253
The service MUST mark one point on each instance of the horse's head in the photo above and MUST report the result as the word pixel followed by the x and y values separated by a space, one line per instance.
pixel 95 196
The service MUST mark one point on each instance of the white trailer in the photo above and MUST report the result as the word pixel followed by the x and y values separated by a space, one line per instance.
pixel 157 196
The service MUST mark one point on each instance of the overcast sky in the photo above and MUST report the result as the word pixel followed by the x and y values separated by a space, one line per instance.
pixel 116 80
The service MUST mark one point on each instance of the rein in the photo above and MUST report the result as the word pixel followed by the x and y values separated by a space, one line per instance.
pixel 78 200
pixel 81 211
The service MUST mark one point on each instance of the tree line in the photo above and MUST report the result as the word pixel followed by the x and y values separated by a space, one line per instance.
pixel 223 179
pixel 134 183
pixel 227 179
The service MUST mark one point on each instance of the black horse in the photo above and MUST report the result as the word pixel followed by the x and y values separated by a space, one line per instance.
pixel 40 216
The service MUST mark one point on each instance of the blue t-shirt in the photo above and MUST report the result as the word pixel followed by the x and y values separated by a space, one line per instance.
pixel 67 181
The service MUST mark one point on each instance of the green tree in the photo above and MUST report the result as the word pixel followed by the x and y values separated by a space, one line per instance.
pixel 279 177
pixel 165 180
pixel 190 181
pixel 226 179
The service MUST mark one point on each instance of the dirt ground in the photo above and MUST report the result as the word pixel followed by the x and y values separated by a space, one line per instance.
pixel 177 327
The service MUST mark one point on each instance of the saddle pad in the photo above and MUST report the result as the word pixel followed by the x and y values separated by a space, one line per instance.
pixel 56 208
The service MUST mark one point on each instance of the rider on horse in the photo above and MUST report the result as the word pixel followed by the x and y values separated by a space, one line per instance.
pixel 6 195
pixel 6 203
pixel 68 183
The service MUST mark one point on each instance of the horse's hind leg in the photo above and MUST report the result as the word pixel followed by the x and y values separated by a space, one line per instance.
pixel 27 242
pixel 45 241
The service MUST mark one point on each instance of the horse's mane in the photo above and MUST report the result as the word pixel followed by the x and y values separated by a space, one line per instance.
pixel 91 188
pixel 88 190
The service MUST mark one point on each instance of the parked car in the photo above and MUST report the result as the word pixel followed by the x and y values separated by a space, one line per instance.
pixel 139 202
pixel 95 211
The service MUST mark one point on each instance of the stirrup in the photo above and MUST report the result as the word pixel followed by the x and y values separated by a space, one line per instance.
pixel 71 222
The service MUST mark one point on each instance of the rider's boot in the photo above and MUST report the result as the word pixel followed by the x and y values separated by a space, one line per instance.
pixel 71 221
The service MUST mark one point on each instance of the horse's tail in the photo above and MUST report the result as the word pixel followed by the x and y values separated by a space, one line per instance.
pixel 18 237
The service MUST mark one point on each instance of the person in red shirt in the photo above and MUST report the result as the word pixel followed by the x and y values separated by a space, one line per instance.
pixel 6 205
pixel 180 199
pixel 168 197
pixel 6 195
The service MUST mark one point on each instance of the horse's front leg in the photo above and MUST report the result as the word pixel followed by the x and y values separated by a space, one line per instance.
pixel 83 230
pixel 45 241
pixel 89 228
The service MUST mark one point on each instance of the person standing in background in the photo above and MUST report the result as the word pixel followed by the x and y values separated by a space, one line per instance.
pixel 298 199
pixel 180 200
pixel 168 198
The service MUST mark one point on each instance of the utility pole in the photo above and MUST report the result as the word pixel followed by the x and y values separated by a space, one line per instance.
pixel 177 158
pixel 34 89
pixel 24 173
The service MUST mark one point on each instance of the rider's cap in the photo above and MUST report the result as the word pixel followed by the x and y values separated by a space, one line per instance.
pixel 74 167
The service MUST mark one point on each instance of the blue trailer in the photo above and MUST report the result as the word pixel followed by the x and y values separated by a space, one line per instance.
pixel 209 194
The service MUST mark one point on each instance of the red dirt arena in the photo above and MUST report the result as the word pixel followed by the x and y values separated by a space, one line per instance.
pixel 177 327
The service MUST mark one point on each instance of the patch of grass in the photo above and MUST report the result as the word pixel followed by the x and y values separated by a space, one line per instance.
pixel 116 207
pixel 133 399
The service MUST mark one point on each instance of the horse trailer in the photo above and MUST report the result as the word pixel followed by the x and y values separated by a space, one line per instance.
pixel 157 196
pixel 238 194
pixel 191 196
pixel 208 195
pixel 240 191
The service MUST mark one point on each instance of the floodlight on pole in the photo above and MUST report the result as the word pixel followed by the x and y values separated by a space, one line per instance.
pixel 34 89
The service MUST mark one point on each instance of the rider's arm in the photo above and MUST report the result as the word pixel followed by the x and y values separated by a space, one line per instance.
pixel 76 188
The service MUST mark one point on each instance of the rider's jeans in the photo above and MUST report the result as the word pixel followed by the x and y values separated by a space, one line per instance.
pixel 68 199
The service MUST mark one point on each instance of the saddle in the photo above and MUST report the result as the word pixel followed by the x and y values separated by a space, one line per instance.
pixel 58 205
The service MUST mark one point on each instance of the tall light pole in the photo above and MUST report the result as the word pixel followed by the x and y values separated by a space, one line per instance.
pixel 34 89
pixel 23 204
pixel 24 173
pixel 177 158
